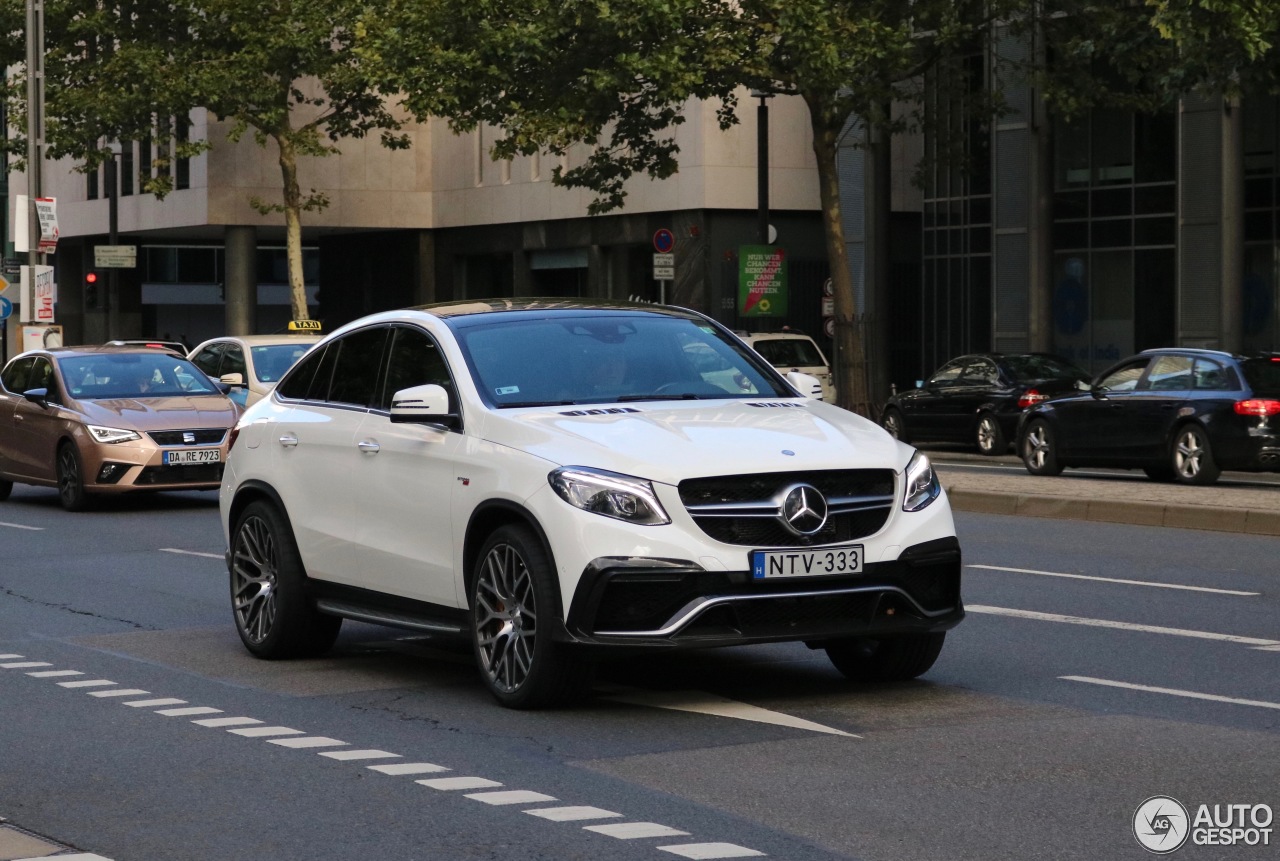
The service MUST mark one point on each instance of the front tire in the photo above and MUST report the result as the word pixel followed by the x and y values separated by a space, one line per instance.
pixel 891 659
pixel 892 422
pixel 990 436
pixel 1192 458
pixel 273 615
pixel 71 492
pixel 514 608
pixel 1040 449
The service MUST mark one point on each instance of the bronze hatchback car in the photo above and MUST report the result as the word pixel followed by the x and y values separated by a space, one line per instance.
pixel 104 419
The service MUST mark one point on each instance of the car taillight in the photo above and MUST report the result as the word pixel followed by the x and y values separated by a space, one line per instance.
pixel 1031 396
pixel 1258 407
pixel 231 438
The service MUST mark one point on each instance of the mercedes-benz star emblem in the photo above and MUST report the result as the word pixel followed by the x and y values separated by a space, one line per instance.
pixel 804 510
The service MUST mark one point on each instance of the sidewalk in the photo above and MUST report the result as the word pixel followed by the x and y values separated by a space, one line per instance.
pixel 1122 498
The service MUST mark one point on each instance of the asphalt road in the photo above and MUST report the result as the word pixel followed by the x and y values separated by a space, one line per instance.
pixel 1100 665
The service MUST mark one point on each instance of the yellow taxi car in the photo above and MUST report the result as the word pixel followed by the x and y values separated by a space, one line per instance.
pixel 252 364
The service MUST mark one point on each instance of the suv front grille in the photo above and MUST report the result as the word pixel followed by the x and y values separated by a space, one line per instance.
pixel 743 509
pixel 203 436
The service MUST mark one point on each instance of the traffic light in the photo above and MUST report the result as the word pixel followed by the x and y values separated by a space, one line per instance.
pixel 91 282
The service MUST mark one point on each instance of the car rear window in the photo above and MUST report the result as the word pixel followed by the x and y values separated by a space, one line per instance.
pixel 1263 374
pixel 1042 368
pixel 789 352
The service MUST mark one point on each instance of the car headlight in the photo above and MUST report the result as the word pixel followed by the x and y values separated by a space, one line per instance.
pixel 618 496
pixel 111 435
pixel 922 484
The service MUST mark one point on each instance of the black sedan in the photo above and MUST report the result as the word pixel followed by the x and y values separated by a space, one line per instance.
pixel 979 398
pixel 1178 414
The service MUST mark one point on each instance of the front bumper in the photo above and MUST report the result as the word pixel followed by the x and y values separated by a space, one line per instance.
pixel 647 602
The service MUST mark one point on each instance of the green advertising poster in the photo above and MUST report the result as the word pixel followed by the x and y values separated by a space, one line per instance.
pixel 762 281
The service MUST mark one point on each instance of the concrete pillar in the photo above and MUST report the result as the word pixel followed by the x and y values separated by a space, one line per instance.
pixel 1232 337
pixel 425 289
pixel 240 286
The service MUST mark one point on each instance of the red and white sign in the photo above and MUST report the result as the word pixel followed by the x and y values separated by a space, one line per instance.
pixel 38 295
pixel 47 210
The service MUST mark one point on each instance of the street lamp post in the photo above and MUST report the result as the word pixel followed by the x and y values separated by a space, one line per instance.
pixel 762 166
pixel 111 181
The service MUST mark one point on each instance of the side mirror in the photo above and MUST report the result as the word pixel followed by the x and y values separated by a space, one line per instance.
pixel 806 384
pixel 40 397
pixel 232 379
pixel 427 404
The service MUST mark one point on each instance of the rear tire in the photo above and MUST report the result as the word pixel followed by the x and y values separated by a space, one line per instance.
pixel 514 610
pixel 273 615
pixel 892 422
pixel 990 436
pixel 70 473
pixel 1192 458
pixel 1040 449
pixel 891 659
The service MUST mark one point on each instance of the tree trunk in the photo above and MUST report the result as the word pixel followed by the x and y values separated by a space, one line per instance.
pixel 850 363
pixel 293 227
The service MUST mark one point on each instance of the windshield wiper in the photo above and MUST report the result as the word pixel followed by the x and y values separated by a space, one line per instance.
pixel 519 404
pixel 683 396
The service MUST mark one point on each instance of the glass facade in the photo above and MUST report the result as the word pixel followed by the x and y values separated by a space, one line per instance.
pixel 1114 235
pixel 1261 329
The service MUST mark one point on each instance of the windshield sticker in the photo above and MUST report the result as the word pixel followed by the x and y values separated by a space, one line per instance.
pixel 507 390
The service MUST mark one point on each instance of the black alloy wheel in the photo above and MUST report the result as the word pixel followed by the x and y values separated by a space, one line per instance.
pixel 892 422
pixel 1040 449
pixel 1192 457
pixel 990 436
pixel 888 659
pixel 273 615
pixel 71 492
pixel 514 609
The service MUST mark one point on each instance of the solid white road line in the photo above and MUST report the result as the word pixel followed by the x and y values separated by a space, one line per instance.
pixel 191 553
pixel 710 704
pixel 408 768
pixel 87 683
pixel 79 856
pixel 11 657
pixel 264 731
pixel 1115 580
pixel 572 814
pixel 450 784
pixel 1173 692
pixel 194 710
pixel 1120 626
pixel 511 796
pixel 346 755
pixel 119 692
pixel 23 665
pixel 700 851
pixel 52 674
pixel 634 830
pixel 307 741
pixel 22 526
pixel 168 701
pixel 226 721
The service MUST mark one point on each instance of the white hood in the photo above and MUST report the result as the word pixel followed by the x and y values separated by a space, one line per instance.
pixel 668 442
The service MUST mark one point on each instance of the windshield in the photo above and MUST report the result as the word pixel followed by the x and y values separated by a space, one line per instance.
pixel 132 375
pixel 789 352
pixel 1263 374
pixel 1042 368
pixel 271 361
pixel 607 358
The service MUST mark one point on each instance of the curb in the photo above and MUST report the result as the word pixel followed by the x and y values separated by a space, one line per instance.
pixel 1249 521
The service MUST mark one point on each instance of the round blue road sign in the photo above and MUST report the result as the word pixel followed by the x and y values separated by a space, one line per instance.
pixel 6 308
pixel 663 241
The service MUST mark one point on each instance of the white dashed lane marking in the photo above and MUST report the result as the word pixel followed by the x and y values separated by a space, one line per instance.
pixel 22 526
pixel 346 755
pixel 407 768
pixel 634 830
pixel 1151 583
pixel 191 553
pixel 1119 626
pixel 297 739
pixel 1173 692
pixel 511 796
pixel 710 704
pixel 450 784
pixel 572 814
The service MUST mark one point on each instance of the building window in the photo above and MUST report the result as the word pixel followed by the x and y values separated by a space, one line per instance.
pixel 126 168
pixel 1261 288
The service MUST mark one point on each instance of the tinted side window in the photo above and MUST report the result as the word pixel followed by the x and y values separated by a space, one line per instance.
pixel 1170 374
pixel 981 372
pixel 207 359
pixel 42 377
pixel 1125 378
pixel 297 384
pixel 1211 376
pixel 15 376
pixel 414 361
pixel 233 361
pixel 355 377
pixel 948 375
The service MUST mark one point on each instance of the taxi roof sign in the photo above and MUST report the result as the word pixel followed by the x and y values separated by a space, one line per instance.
pixel 304 326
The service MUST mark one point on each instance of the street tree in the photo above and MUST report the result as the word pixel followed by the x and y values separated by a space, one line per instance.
pixel 616 78
pixel 284 72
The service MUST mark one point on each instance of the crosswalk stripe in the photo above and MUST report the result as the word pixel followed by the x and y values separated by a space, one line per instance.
pixel 25 665
pixel 168 701
pixel 86 683
pixel 124 692
pixel 408 768
pixel 704 851
pixel 346 755
pixel 193 710
pixel 511 796
pixel 11 657
pixel 308 741
pixel 226 721
pixel 572 814
pixel 52 674
pixel 633 830
pixel 263 731
pixel 451 784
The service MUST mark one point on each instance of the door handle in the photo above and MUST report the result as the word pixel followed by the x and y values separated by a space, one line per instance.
pixel 288 440
pixel 368 446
